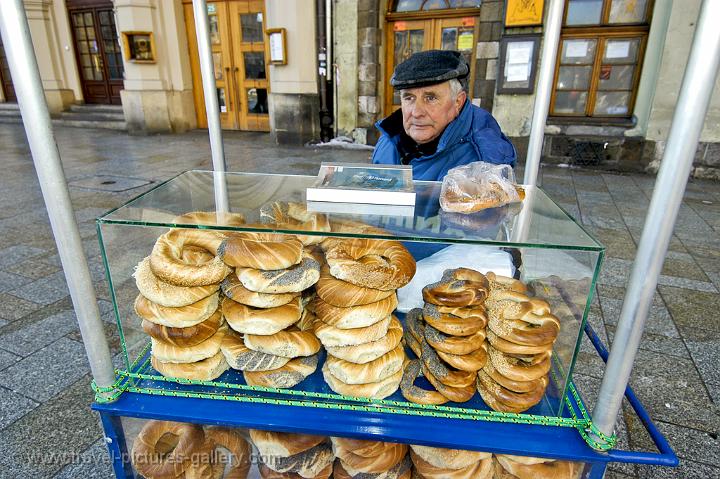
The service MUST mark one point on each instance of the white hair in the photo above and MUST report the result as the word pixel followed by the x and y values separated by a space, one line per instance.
pixel 455 88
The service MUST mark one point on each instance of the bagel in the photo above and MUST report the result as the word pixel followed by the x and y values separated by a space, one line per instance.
pixel 205 370
pixel 402 470
pixel 287 376
pixel 482 469
pixel 355 316
pixel 308 463
pixel 249 320
pixel 531 330
pixel 210 218
pixel 294 279
pixel 412 343
pixel 414 393
pixel 455 394
pixel 451 378
pixel 499 282
pixel 449 458
pixel 366 448
pixel 233 289
pixel 470 362
pixel 344 294
pixel 290 343
pixel 166 294
pixel 414 323
pixel 295 216
pixel 376 390
pixel 371 372
pixel 181 317
pixel 389 456
pixel 392 266
pixel 331 336
pixel 366 352
pixel 526 460
pixel 186 257
pixel 516 369
pixel 283 444
pixel 459 345
pixel 206 463
pixel 508 347
pixel 516 386
pixel 454 325
pixel 169 353
pixel 184 337
pixel 503 400
pixel 265 251
pixel 164 449
pixel 545 470
pixel 232 441
pixel 459 287
pixel 267 473
pixel 242 358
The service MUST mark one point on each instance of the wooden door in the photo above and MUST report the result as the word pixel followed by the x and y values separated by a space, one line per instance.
pixel 98 54
pixel 406 37
pixel 5 79
pixel 239 50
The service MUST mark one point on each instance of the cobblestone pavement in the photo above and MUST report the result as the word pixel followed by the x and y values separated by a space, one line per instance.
pixel 48 430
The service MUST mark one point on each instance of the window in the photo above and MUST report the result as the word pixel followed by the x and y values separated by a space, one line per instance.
pixel 600 58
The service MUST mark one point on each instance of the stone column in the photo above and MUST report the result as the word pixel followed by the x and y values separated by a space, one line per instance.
pixel 44 37
pixel 157 97
pixel 368 40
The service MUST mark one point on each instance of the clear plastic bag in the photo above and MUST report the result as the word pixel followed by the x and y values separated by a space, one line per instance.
pixel 478 186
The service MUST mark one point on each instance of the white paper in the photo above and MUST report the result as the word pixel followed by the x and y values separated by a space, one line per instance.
pixel 519 52
pixel 576 48
pixel 617 49
pixel 518 72
pixel 276 47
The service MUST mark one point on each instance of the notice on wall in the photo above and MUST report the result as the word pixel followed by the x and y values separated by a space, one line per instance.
pixel 617 49
pixel 576 48
pixel 276 47
pixel 518 72
pixel 518 61
pixel 465 41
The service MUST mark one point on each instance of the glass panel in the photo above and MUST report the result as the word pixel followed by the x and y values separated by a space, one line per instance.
pixel 251 25
pixel 114 67
pixel 89 19
pixel 627 11
pixel 221 100
pixel 98 67
pixel 257 100
pixel 90 33
pixel 93 46
pixel 407 43
pixel 218 65
pixel 408 5
pixel 465 3
pixel 570 102
pixel 104 17
pixel 106 32
pixel 584 12
pixel 574 78
pixel 621 50
pixel 80 32
pixel 449 38
pixel 466 40
pixel 83 47
pixel 435 5
pixel 612 103
pixel 254 65
pixel 578 51
pixel 88 73
pixel 214 32
pixel 616 77
pixel 78 19
pixel 85 61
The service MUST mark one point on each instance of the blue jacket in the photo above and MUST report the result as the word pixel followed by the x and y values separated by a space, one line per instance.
pixel 473 136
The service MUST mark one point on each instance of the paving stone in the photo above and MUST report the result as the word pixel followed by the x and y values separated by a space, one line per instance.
pixel 8 359
pixel 48 371
pixel 46 290
pixel 13 406
pixel 659 343
pixel 10 281
pixel 93 463
pixel 687 284
pixel 13 308
pixel 692 309
pixel 33 268
pixel 659 320
pixel 39 334
pixel 615 272
pixel 15 254
pixel 686 470
pixel 704 347
pixel 618 243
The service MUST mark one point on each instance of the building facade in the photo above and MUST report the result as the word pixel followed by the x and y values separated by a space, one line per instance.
pixel 614 90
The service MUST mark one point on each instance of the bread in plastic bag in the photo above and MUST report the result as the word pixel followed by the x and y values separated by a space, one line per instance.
pixel 478 186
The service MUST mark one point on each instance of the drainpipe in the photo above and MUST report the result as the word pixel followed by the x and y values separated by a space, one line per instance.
pixel 326 120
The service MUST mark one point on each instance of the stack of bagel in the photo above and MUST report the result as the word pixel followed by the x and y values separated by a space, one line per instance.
pixel 370 459
pixel 271 338
pixel 448 337
pixel 522 467
pixel 521 333
pixel 439 463
pixel 179 297
pixel 356 296
pixel 168 450
pixel 293 456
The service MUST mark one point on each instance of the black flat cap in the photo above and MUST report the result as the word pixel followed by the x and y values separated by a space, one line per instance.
pixel 428 68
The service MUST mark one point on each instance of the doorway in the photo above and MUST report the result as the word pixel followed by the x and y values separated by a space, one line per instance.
pixel 239 53
pixel 5 79
pixel 97 51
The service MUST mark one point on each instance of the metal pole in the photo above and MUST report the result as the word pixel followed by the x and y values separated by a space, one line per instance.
pixel 544 89
pixel 202 31
pixel 23 65
pixel 692 105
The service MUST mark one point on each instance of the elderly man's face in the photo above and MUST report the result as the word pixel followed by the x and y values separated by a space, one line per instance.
pixel 428 110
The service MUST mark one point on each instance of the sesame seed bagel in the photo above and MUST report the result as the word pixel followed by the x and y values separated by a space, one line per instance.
pixel 482 469
pixel 180 317
pixel 366 352
pixel 166 294
pixel 233 289
pixel 508 347
pixel 290 343
pixel 295 216
pixel 344 294
pixel 266 251
pixel 392 266
pixel 459 287
pixel 232 441
pixel 414 393
pixel 507 383
pixel 371 372
pixel 242 358
pixel 455 394
pixel 459 345
pixel 287 376
pixel 449 458
pixel 516 369
pixel 249 320
pixel 454 325
pixel 470 362
pixel 283 444
pixel 545 470
pixel 154 457
pixel 390 455
pixel 293 279
pixel 449 377
pixel 331 336
pixel 377 390
pixel 186 257
pixel 185 337
pixel 205 370
pixel 503 400
pixel 169 353
pixel 355 316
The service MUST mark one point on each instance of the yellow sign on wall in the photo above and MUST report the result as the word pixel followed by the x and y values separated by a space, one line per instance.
pixel 523 13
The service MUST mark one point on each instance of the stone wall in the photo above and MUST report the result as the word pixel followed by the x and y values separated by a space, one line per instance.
pixel 368 68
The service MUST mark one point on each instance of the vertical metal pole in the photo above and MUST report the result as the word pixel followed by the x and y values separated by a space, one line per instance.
pixel 202 31
pixel 692 105
pixel 15 33
pixel 544 89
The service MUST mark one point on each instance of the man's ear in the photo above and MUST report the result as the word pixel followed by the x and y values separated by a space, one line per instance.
pixel 460 101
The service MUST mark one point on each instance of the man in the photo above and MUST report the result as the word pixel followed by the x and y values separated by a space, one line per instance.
pixel 437 128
